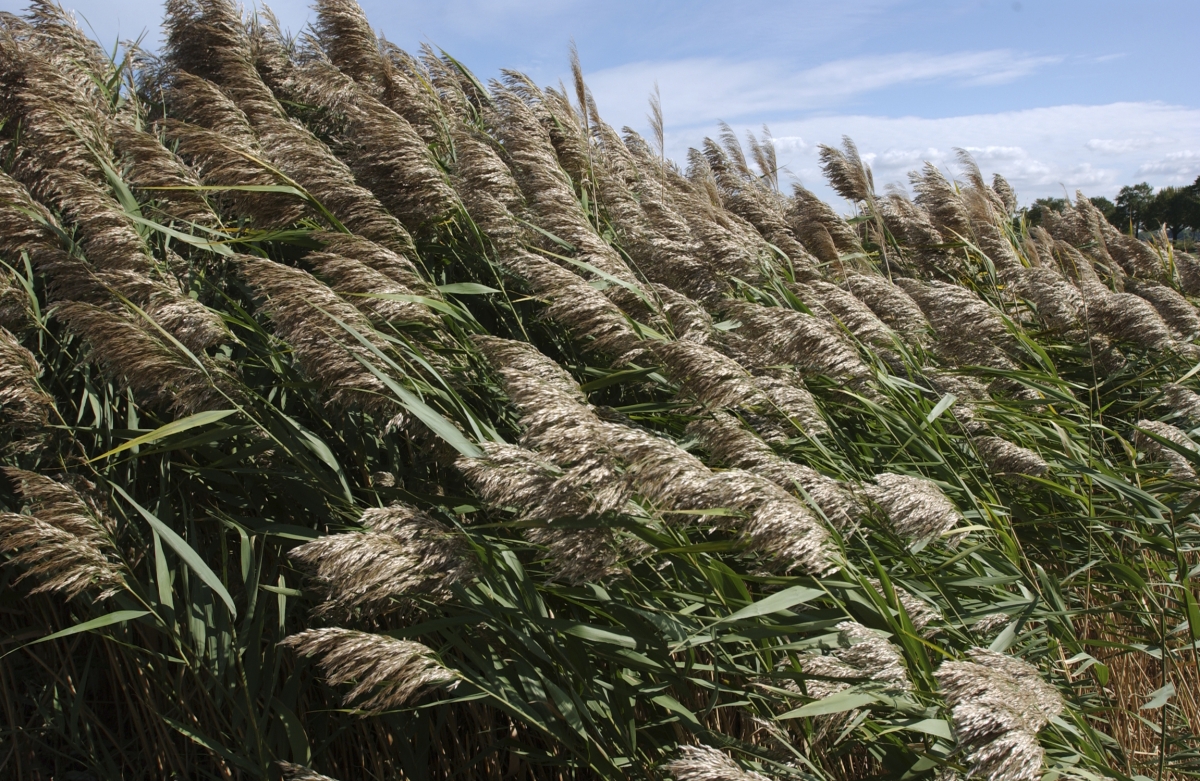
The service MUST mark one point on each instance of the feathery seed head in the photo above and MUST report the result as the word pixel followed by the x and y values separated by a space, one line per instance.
pixel 846 171
pixel 1178 465
pixel 784 336
pixel 386 673
pixel 23 404
pixel 63 541
pixel 158 371
pixel 293 772
pixel 405 552
pixel 999 703
pixel 920 613
pixel 916 508
pixel 891 304
pixel 701 763
pixel 1182 400
pixel 1004 458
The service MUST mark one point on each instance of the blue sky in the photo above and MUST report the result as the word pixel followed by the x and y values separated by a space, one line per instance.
pixel 1067 94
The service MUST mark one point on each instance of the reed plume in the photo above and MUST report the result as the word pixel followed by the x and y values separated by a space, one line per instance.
pixel 346 36
pixel 1004 458
pixel 63 542
pixel 784 336
pixel 386 673
pixel 999 704
pixel 303 311
pixel 547 188
pixel 891 304
pixel 1175 310
pixel 842 308
pixel 1178 466
pixel 921 242
pixel 701 763
pixel 403 553
pixel 385 153
pixel 969 330
pixel 942 201
pixel 742 194
pixel 916 508
pixel 510 476
pixel 846 172
pixel 142 360
pixel 920 612
pixel 364 287
pixel 172 186
pixel 735 446
pixel 1182 401
pixel 821 228
pixel 293 772
pixel 24 406
pixel 862 654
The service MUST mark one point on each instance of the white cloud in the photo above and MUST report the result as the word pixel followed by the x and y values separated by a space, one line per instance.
pixel 1041 151
pixel 703 89
pixel 1179 166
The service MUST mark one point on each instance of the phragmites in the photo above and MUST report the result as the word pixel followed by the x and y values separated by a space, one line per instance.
pixel 597 322
pixel 921 242
pixel 24 406
pixel 377 295
pixel 846 171
pixel 712 378
pixel 576 552
pixel 404 552
pixel 742 192
pixel 1004 458
pixel 735 446
pixel 782 528
pixel 1175 310
pixel 920 613
pixel 546 187
pixel 843 308
pixel 701 763
pixel 383 150
pixel 1182 401
pixel 862 654
pixel 1178 465
pixel 821 229
pixel 1056 301
pixel 386 673
pixel 968 329
pixel 155 170
pixel 1125 317
pixel 304 311
pixel 131 350
pixel 943 202
pixel 293 772
pixel 783 395
pixel 999 704
pixel 511 476
pixel 386 72
pixel 774 335
pixel 63 542
pixel 890 304
pixel 916 508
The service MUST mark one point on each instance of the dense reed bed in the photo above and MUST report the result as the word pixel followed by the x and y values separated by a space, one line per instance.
pixel 360 420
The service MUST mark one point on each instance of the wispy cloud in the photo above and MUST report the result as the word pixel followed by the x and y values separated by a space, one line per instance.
pixel 1042 151
pixel 699 90
pixel 1177 165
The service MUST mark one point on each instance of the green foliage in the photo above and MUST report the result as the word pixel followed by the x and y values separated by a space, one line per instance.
pixel 320 412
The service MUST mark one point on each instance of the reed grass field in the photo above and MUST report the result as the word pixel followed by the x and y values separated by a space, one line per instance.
pixel 362 420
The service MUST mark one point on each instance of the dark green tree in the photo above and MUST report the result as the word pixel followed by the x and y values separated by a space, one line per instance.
pixel 1036 214
pixel 1175 208
pixel 1133 201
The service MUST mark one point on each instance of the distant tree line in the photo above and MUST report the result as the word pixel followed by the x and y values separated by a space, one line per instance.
pixel 1139 208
